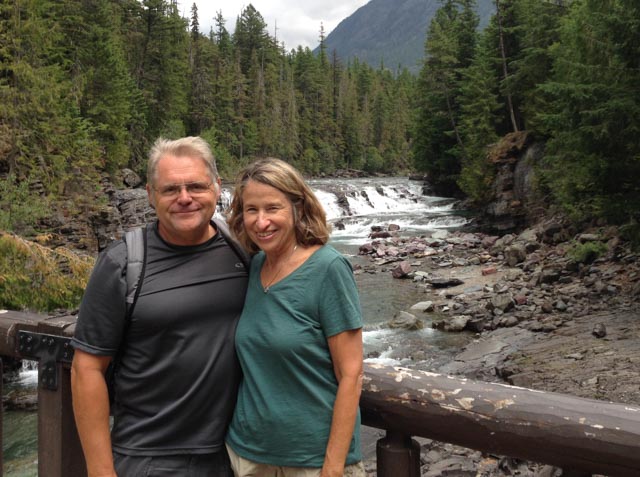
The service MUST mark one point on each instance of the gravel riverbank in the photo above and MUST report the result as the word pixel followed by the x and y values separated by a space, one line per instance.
pixel 551 309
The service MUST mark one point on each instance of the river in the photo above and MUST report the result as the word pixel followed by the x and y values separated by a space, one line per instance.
pixel 380 202
pixel 353 206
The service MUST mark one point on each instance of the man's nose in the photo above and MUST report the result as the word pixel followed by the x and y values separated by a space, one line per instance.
pixel 183 195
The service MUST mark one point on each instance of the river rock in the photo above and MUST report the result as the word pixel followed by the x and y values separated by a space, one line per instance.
pixel 560 305
pixel 528 236
pixel 366 249
pixel 424 306
pixel 515 254
pixel 550 275
pixel 478 324
pixel 377 235
pixel 440 234
pixel 599 330
pixel 20 401
pixel 130 178
pixel 407 321
pixel 444 282
pixel 402 270
pixel 489 271
pixel 453 323
pixel 584 238
pixel 501 302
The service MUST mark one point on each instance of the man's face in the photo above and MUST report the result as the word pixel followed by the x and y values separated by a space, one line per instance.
pixel 185 197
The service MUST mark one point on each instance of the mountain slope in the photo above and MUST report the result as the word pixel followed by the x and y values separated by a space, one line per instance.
pixel 390 32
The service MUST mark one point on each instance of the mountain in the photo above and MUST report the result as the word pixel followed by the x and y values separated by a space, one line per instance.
pixel 391 32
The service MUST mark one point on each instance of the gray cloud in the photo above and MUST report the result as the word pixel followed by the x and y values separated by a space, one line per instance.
pixel 297 21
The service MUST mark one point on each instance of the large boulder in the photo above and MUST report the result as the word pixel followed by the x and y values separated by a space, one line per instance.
pixel 406 321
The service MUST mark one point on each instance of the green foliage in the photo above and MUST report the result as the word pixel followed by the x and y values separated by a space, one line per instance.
pixel 20 207
pixel 439 148
pixel 39 279
pixel 586 252
pixel 593 120
pixel 374 161
pixel 479 123
pixel 631 232
pixel 87 86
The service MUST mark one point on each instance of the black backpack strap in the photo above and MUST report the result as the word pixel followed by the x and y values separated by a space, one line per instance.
pixel 136 241
pixel 223 228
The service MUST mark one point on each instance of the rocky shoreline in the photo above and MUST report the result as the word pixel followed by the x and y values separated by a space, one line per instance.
pixel 551 309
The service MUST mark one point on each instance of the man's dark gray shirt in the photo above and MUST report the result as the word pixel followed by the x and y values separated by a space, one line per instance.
pixel 177 378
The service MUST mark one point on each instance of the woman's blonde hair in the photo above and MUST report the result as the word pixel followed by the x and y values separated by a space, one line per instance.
pixel 309 218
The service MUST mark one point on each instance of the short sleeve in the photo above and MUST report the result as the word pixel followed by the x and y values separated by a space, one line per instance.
pixel 103 308
pixel 339 301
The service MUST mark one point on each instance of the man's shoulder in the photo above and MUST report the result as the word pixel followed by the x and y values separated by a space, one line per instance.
pixel 115 251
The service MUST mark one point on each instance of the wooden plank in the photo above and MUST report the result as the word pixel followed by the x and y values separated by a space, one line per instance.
pixel 10 322
pixel 58 325
pixel 569 432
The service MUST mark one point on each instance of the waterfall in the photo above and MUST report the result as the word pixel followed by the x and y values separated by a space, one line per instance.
pixel 353 206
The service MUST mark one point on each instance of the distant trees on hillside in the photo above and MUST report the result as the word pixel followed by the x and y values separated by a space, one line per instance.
pixel 86 86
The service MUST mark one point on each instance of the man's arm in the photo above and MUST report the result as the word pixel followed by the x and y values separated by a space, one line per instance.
pixel 91 410
pixel 346 353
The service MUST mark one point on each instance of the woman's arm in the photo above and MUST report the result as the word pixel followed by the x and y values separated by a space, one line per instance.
pixel 346 353
pixel 91 410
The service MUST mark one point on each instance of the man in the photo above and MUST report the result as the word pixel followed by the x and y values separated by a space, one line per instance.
pixel 177 372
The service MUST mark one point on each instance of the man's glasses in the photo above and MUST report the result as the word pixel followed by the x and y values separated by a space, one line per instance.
pixel 193 189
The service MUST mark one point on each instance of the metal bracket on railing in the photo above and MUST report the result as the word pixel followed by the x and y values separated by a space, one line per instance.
pixel 49 350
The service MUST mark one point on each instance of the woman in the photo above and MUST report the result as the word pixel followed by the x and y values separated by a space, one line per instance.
pixel 299 338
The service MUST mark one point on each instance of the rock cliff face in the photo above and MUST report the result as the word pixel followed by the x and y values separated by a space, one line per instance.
pixel 516 202
pixel 97 222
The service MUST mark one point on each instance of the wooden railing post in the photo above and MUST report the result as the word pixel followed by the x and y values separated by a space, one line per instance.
pixel 398 455
pixel 1 418
pixel 59 450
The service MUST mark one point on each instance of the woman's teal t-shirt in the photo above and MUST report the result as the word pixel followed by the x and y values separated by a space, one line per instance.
pixel 285 402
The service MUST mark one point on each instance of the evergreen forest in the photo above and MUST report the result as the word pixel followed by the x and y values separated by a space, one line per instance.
pixel 87 85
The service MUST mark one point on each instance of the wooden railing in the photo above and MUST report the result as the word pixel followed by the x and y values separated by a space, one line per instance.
pixel 581 436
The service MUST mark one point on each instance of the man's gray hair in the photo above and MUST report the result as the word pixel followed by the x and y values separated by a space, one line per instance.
pixel 191 146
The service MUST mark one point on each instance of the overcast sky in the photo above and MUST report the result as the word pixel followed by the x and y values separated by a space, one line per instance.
pixel 297 21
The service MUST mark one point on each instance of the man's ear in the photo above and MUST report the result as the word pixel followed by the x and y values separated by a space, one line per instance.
pixel 150 195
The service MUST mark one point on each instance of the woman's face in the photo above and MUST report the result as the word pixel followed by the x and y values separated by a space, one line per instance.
pixel 268 218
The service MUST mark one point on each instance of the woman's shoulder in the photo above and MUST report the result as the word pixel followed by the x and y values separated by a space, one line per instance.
pixel 325 253
pixel 257 259
pixel 327 256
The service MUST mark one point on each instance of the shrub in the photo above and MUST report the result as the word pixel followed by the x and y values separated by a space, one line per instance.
pixel 586 252
pixel 20 208
pixel 39 279
pixel 631 233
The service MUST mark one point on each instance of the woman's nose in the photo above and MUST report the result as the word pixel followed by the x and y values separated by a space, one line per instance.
pixel 262 220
